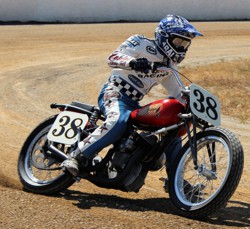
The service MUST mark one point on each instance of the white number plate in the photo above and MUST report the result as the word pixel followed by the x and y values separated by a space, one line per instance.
pixel 65 128
pixel 205 105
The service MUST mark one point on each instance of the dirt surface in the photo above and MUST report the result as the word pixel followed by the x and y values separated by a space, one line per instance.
pixel 42 64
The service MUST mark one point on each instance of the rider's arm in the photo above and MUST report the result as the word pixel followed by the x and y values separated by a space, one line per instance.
pixel 125 53
pixel 172 86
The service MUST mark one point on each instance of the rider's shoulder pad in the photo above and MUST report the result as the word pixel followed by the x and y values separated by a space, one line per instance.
pixel 135 40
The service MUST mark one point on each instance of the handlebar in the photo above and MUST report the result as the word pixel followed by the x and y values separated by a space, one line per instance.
pixel 159 67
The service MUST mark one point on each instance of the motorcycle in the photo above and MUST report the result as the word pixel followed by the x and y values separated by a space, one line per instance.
pixel 202 175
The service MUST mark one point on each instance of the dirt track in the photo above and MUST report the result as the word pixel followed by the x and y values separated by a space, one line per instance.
pixel 42 64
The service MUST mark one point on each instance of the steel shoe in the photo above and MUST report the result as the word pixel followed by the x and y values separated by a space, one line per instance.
pixel 71 165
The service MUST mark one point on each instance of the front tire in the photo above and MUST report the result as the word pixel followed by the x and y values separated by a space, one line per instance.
pixel 199 193
pixel 38 171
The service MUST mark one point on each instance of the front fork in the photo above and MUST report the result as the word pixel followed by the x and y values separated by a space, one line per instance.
pixel 192 140
pixel 209 174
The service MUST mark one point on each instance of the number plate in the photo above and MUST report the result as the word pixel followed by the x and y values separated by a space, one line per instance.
pixel 205 105
pixel 65 128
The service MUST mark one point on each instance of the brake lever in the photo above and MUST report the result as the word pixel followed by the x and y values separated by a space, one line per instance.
pixel 155 65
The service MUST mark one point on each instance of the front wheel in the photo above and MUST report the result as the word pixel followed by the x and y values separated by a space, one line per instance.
pixel 198 193
pixel 38 171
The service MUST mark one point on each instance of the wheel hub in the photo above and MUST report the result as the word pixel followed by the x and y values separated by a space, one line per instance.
pixel 210 175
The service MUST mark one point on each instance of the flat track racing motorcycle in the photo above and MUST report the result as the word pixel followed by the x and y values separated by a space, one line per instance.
pixel 202 175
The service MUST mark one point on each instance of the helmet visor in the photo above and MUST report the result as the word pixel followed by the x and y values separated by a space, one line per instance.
pixel 179 43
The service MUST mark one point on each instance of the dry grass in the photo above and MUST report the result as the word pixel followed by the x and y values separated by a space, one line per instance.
pixel 229 81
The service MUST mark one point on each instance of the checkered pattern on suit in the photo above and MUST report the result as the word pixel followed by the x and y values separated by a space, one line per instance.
pixel 127 89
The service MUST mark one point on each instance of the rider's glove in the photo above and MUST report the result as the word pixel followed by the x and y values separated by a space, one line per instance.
pixel 140 65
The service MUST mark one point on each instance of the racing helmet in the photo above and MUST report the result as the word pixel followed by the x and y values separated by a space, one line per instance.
pixel 173 36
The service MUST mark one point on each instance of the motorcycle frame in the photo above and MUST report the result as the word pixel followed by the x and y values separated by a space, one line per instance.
pixel 94 113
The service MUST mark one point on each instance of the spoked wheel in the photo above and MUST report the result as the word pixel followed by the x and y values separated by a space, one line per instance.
pixel 198 193
pixel 38 171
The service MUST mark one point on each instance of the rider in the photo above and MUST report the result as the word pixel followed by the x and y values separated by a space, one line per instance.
pixel 131 78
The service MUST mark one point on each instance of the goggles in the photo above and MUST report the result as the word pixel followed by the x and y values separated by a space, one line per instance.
pixel 179 43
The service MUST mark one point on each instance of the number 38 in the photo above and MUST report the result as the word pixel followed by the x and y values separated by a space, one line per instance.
pixel 205 105
pixel 68 127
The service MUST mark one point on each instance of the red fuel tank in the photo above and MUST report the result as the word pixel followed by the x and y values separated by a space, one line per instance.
pixel 160 113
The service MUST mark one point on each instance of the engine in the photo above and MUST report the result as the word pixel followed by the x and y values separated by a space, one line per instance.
pixel 128 157
pixel 127 147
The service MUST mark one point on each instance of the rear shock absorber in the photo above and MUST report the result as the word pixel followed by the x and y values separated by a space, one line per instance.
pixel 94 116
pixel 91 126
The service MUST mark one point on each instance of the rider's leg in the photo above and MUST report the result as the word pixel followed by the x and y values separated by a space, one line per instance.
pixel 117 109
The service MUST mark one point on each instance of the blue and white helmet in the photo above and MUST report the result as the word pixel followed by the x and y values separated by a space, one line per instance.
pixel 173 36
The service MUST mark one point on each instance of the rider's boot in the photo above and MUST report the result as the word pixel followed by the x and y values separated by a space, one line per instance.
pixel 72 163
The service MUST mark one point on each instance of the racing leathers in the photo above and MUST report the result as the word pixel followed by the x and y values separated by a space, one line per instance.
pixel 124 89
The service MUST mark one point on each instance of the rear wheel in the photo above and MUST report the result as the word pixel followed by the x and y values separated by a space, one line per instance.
pixel 38 171
pixel 198 193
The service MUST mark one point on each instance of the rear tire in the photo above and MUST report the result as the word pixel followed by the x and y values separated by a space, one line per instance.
pixel 33 155
pixel 197 194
